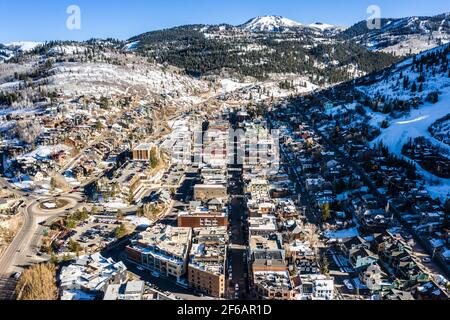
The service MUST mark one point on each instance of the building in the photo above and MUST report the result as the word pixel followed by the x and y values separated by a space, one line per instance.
pixel 263 226
pixel 142 152
pixel 91 275
pixel 271 244
pixel 212 215
pixel 132 290
pixel 163 249
pixel 206 270
pixel 273 285
pixel 206 192
pixel 317 287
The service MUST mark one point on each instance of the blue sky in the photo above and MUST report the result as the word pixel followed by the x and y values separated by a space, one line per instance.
pixel 32 20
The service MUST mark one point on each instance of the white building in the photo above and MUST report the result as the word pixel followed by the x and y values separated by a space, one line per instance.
pixel 91 275
pixel 317 287
pixel 163 249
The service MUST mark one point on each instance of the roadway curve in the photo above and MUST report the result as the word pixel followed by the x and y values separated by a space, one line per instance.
pixel 22 252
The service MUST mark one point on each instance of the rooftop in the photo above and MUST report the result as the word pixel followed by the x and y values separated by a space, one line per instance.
pixel 273 280
pixel 208 250
pixel 165 241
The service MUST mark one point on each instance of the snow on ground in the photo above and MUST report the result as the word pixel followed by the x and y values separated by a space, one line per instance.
pixel 139 222
pixel 415 125
pixel 414 44
pixel 24 183
pixel 229 85
pixel 418 121
pixel 67 49
pixel 343 234
pixel 44 152
pixel 115 204
pixel 342 109
pixel 24 46
pixel 269 23
pixel 322 26
pixel 77 295
pixel 102 79
pixel 131 46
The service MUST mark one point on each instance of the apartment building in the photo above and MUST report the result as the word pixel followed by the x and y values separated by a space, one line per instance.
pixel 142 152
pixel 132 290
pixel 274 285
pixel 90 275
pixel 317 287
pixel 206 192
pixel 202 217
pixel 263 226
pixel 163 249
pixel 206 270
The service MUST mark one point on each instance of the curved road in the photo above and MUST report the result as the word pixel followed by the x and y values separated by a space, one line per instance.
pixel 22 252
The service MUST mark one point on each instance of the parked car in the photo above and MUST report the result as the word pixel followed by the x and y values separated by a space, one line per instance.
pixel 349 285
pixel 140 268
pixel 17 275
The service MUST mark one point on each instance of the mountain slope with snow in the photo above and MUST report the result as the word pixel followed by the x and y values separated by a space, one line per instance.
pixel 403 36
pixel 10 50
pixel 407 103
pixel 270 24
pixel 71 70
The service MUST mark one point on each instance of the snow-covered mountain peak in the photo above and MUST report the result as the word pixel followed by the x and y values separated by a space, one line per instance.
pixel 270 24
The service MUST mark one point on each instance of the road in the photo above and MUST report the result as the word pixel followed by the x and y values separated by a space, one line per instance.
pixel 305 198
pixel 5 184
pixel 237 252
pixel 22 252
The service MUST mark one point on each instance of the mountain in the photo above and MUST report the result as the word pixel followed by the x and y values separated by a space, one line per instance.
pixel 259 48
pixel 265 48
pixel 69 70
pixel 328 28
pixel 10 50
pixel 407 109
pixel 270 24
pixel 404 36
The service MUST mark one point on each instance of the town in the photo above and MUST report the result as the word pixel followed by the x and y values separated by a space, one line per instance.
pixel 266 161
pixel 233 205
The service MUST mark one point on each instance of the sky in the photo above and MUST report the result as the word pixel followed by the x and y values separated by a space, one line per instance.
pixel 43 20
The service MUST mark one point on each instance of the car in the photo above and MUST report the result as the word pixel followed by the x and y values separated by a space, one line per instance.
pixel 155 274
pixel 140 268
pixel 349 285
pixel 17 275
pixel 426 260
pixel 236 287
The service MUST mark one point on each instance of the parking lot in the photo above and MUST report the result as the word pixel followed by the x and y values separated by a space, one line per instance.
pixel 94 233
